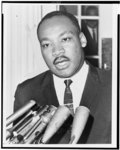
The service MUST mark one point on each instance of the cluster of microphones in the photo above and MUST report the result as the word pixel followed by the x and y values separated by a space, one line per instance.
pixel 40 123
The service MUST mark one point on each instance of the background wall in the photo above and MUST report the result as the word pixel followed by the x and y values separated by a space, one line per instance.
pixel 22 56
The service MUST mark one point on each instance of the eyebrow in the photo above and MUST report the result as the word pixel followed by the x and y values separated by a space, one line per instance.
pixel 63 33
pixel 44 39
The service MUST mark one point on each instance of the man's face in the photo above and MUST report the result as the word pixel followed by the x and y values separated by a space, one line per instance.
pixel 92 23
pixel 60 46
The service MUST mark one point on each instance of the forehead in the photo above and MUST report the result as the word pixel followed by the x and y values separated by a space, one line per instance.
pixel 57 19
pixel 56 22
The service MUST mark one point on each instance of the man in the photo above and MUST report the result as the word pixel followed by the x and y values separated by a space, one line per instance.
pixel 61 42
pixel 90 30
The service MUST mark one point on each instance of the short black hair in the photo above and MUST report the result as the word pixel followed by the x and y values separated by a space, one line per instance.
pixel 61 13
pixel 89 8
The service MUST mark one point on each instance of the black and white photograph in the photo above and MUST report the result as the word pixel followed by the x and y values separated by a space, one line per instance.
pixel 59 75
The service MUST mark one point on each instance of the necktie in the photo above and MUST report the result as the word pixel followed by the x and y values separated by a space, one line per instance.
pixel 68 99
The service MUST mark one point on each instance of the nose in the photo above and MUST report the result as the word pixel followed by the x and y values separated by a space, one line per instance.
pixel 57 50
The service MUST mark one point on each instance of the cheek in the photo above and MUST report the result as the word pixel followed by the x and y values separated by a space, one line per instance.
pixel 76 52
pixel 48 58
pixel 76 58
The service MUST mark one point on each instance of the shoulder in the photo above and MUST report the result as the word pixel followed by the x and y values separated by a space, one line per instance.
pixel 105 75
pixel 38 80
pixel 101 75
pixel 103 87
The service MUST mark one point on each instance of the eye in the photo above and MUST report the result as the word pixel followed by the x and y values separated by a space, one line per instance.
pixel 66 39
pixel 45 45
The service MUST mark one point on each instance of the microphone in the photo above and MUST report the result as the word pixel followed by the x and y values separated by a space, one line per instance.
pixel 60 116
pixel 79 122
pixel 27 131
pixel 40 126
pixel 24 125
pixel 20 112
pixel 21 122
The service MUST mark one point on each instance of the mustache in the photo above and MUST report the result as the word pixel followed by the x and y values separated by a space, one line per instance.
pixel 60 59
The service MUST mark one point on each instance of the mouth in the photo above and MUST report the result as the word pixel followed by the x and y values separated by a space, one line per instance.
pixel 61 62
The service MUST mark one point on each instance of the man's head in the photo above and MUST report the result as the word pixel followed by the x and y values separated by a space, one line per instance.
pixel 92 11
pixel 61 43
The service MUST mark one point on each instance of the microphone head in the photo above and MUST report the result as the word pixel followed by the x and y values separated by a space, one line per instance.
pixel 60 116
pixel 79 122
pixel 20 112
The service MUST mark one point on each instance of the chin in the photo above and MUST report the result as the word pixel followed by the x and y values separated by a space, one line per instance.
pixel 66 73
pixel 63 75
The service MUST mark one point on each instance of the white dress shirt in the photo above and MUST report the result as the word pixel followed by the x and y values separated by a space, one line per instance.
pixel 77 86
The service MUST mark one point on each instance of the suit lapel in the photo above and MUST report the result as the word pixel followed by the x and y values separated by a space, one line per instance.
pixel 91 88
pixel 89 100
pixel 49 91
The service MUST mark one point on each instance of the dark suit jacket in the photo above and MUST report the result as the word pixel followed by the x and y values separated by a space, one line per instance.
pixel 92 46
pixel 96 96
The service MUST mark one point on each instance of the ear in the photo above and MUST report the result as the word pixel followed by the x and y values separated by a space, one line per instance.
pixel 83 39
